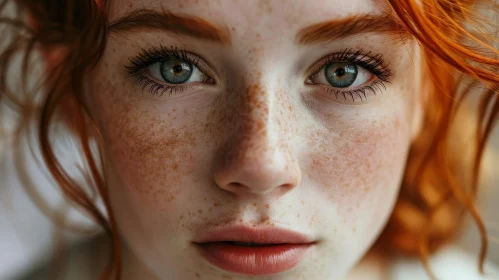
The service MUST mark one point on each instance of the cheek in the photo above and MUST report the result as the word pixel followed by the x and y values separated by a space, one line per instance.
pixel 359 165
pixel 147 156
pixel 149 144
pixel 147 151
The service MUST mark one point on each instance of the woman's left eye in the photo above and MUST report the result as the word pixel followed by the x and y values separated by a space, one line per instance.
pixel 342 75
pixel 176 71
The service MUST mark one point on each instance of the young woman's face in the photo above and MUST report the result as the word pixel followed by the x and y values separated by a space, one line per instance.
pixel 227 121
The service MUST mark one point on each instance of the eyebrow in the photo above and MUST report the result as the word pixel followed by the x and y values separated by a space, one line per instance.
pixel 175 23
pixel 339 28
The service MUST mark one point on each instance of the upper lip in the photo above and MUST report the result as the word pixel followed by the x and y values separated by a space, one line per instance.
pixel 268 235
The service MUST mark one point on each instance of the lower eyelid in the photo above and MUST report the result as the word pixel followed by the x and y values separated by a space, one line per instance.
pixel 351 96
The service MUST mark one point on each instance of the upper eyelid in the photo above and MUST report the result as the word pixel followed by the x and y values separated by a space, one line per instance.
pixel 322 62
pixel 318 65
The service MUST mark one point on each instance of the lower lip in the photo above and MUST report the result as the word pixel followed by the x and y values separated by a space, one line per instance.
pixel 262 260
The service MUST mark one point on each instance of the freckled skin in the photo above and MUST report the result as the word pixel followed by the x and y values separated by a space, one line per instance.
pixel 259 147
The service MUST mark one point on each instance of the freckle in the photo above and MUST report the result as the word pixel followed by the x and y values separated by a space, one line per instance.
pixel 302 202
pixel 254 203
pixel 197 275
pixel 200 211
pixel 241 220
pixel 181 217
pixel 205 199
pixel 216 204
pixel 267 206
pixel 259 124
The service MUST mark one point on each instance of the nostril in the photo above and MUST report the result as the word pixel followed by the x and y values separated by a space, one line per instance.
pixel 238 188
pixel 286 186
pixel 235 185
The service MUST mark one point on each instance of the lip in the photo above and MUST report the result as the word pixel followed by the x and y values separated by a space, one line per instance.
pixel 280 249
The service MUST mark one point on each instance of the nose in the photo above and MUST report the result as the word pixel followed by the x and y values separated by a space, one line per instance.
pixel 258 158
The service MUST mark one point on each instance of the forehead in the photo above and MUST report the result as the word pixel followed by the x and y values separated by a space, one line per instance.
pixel 267 16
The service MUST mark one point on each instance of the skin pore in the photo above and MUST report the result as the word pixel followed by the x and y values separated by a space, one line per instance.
pixel 261 139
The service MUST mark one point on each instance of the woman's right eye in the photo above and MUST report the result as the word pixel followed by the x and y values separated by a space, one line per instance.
pixel 176 71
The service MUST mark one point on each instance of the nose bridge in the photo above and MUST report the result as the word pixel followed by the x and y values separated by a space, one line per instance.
pixel 257 130
pixel 258 159
pixel 264 124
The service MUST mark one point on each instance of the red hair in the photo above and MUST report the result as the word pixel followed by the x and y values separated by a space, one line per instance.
pixel 434 194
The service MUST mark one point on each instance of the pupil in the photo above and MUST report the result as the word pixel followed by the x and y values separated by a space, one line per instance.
pixel 340 72
pixel 178 68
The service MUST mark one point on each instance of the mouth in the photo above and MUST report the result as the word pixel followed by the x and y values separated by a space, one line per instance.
pixel 251 251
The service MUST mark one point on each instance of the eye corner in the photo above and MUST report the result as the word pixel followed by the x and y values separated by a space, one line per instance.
pixel 312 74
pixel 209 80
pixel 308 80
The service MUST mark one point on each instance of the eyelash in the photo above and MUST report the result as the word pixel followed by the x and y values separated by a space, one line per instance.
pixel 375 64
